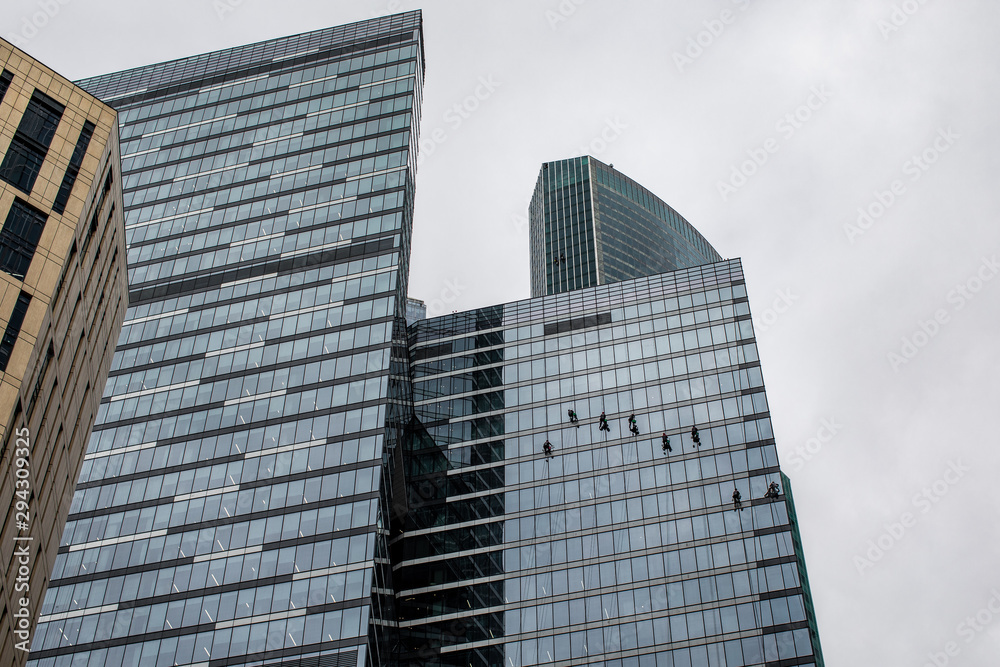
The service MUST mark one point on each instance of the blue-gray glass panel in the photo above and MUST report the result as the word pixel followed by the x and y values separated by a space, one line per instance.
pixel 612 545
pixel 231 503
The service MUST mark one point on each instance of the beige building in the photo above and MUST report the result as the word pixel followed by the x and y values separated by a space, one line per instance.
pixel 63 295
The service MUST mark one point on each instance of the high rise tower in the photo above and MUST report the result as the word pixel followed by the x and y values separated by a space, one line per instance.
pixel 62 299
pixel 283 473
pixel 232 506
pixel 614 547
pixel 591 225
pixel 593 474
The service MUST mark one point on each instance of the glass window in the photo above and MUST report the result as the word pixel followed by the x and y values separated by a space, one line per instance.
pixel 5 79
pixel 74 167
pixel 31 141
pixel 19 238
pixel 21 165
pixel 13 327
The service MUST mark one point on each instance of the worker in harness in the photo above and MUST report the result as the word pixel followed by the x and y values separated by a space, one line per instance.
pixel 603 423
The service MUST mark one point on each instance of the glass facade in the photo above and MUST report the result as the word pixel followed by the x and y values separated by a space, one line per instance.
pixel 535 537
pixel 30 144
pixel 233 504
pixel 282 472
pixel 592 225
pixel 415 310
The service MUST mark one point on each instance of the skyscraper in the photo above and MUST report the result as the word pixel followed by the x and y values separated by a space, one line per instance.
pixel 590 224
pixel 282 472
pixel 593 476
pixel 534 536
pixel 62 299
pixel 232 505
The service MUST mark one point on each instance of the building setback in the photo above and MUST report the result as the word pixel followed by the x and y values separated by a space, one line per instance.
pixel 613 548
pixel 232 509
pixel 62 299
pixel 589 224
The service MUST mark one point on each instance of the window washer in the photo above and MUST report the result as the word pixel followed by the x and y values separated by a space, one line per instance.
pixel 666 444
pixel 773 491
pixel 737 500
pixel 603 425
pixel 694 436
pixel 547 448
pixel 572 417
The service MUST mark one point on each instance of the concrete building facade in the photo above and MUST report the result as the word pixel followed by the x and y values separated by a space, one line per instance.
pixel 63 296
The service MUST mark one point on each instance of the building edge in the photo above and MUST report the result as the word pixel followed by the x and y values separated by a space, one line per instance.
pixel 74 287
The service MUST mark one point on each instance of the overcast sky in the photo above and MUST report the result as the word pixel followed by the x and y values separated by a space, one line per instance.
pixel 768 125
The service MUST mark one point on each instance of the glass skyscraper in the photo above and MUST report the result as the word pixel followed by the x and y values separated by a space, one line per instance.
pixel 232 506
pixel 284 473
pixel 616 548
pixel 589 224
